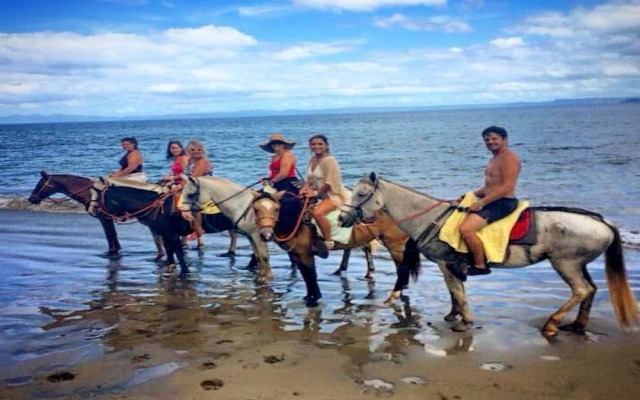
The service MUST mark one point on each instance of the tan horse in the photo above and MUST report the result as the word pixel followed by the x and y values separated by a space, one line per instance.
pixel 298 241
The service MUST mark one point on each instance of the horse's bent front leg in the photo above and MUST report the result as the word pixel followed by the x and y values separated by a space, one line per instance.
pixel 459 304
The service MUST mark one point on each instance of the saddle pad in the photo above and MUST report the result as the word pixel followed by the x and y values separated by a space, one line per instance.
pixel 522 225
pixel 338 233
pixel 494 237
pixel 208 209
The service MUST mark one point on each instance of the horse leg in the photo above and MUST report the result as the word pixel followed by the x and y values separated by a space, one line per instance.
pixel 176 244
pixel 232 245
pixel 403 269
pixel 572 272
pixel 459 304
pixel 157 239
pixel 344 264
pixel 170 262
pixel 580 324
pixel 307 267
pixel 262 255
pixel 368 254
pixel 112 236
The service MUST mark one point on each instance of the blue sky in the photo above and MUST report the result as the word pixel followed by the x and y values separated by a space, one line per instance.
pixel 148 57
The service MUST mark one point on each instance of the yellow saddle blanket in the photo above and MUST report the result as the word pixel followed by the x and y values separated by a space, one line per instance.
pixel 494 237
pixel 208 209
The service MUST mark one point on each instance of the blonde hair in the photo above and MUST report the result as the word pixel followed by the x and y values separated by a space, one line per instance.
pixel 197 144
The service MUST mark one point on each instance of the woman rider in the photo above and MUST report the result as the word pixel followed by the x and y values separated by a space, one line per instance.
pixel 131 162
pixel 282 168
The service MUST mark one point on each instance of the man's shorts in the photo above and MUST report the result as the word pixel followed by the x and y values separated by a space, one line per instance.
pixel 497 209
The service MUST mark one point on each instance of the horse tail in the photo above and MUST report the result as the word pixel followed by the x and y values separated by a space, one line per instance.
pixel 622 298
pixel 411 258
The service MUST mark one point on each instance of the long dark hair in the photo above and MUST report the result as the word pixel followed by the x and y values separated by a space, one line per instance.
pixel 169 154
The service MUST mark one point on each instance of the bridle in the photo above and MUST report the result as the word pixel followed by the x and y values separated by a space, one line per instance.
pixel 357 209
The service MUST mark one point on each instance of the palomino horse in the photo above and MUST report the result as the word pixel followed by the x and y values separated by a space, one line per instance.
pixel 79 189
pixel 568 238
pixel 235 202
pixel 296 237
pixel 153 206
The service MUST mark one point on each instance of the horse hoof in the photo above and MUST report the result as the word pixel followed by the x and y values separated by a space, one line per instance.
pixel 451 317
pixel 227 254
pixel 461 326
pixel 392 297
pixel 337 272
pixel 574 327
pixel 311 302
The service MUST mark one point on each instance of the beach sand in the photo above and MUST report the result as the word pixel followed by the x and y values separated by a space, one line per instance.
pixel 138 335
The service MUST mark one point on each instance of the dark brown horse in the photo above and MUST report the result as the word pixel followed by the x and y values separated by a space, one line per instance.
pixel 79 189
pixel 117 199
pixel 296 237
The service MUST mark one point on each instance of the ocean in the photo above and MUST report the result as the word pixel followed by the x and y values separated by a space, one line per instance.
pixel 54 271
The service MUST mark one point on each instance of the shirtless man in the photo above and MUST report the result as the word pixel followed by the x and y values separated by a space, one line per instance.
pixel 496 199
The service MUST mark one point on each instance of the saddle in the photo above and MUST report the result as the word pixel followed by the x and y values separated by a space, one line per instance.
pixel 515 228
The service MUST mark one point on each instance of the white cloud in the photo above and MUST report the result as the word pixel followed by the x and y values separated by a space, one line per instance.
pixel 366 5
pixel 505 43
pixel 439 23
pixel 308 50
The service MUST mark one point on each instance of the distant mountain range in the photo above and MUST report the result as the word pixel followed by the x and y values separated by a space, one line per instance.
pixel 57 118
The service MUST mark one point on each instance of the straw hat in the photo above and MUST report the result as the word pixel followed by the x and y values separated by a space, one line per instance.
pixel 276 138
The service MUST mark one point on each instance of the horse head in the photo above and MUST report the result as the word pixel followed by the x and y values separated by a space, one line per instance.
pixel 44 188
pixel 191 194
pixel 266 207
pixel 365 201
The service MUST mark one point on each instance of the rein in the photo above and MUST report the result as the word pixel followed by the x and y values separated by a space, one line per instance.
pixel 47 184
pixel 298 223
pixel 360 214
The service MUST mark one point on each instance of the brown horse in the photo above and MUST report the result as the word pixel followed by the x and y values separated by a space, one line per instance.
pixel 79 189
pixel 296 237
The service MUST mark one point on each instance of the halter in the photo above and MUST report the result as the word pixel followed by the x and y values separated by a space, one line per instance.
pixel 358 208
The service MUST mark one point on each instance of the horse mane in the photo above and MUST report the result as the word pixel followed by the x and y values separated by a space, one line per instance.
pixel 214 179
pixel 410 189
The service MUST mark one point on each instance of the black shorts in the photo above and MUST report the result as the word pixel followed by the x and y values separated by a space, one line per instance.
pixel 497 209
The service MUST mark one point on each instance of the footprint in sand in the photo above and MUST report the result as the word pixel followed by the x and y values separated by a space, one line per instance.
pixel 212 384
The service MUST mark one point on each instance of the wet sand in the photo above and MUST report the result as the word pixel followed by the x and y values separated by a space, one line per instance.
pixel 78 325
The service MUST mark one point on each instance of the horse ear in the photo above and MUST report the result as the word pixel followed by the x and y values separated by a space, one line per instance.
pixel 43 174
pixel 280 194
pixel 255 194
pixel 192 180
pixel 373 177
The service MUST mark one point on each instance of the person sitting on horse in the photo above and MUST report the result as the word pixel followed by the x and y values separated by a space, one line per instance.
pixel 180 160
pixel 496 199
pixel 131 162
pixel 199 165
pixel 282 168
pixel 324 181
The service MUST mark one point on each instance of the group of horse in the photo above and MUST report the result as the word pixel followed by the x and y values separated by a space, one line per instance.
pixel 404 220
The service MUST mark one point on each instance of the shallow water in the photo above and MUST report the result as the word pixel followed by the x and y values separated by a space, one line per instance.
pixel 63 303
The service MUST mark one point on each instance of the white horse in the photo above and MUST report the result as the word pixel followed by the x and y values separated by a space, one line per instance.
pixel 569 239
pixel 235 203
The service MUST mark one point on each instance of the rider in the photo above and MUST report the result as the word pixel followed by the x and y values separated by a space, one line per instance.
pixel 324 181
pixel 131 162
pixel 199 165
pixel 282 169
pixel 496 199
pixel 180 160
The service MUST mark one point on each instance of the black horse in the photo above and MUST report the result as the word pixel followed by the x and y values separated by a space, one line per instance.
pixel 157 211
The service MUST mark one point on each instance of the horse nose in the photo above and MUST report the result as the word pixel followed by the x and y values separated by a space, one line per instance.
pixel 34 200
pixel 266 234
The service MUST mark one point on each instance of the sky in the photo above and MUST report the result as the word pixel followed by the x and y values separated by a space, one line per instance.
pixel 120 58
